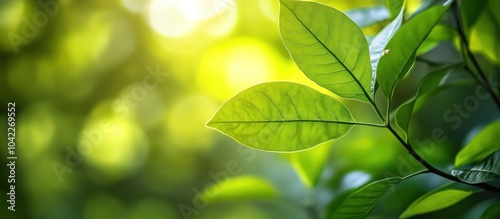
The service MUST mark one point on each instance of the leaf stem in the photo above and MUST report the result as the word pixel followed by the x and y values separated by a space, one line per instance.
pixel 377 110
pixel 468 54
pixel 435 170
pixel 424 171
pixel 370 124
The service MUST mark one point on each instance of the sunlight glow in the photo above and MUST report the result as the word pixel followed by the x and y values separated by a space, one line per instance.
pixel 113 146
pixel 174 18
pixel 167 18
pixel 199 10
pixel 241 63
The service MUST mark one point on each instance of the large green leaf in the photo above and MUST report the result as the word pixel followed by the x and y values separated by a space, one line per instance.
pixel 359 204
pixel 282 116
pixel 434 201
pixel 367 16
pixel 309 164
pixel 378 44
pixel 486 170
pixel 482 145
pixel 492 212
pixel 403 47
pixel 240 188
pixel 328 47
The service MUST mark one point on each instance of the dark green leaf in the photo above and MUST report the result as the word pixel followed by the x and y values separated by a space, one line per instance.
pixel 471 11
pixel 431 84
pixel 434 201
pixel 378 44
pixel 492 212
pixel 367 16
pixel 482 145
pixel 486 32
pixel 403 47
pixel 282 116
pixel 428 84
pixel 359 204
pixel 438 34
pixel 328 47
pixel 486 170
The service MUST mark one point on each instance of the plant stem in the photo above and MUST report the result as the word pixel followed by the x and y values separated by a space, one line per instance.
pixel 468 53
pixel 437 171
pixel 372 102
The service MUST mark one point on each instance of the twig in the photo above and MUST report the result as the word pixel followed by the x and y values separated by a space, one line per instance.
pixel 437 171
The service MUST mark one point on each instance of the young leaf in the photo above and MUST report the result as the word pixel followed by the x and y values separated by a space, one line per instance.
pixel 434 201
pixel 328 47
pixel 239 188
pixel 403 47
pixel 492 212
pixel 309 164
pixel 282 116
pixel 482 145
pixel 359 204
pixel 486 170
pixel 378 44
pixel 367 16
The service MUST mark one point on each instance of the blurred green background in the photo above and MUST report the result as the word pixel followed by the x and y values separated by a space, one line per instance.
pixel 112 98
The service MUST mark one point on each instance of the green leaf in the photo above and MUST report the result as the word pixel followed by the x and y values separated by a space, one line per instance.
pixel 309 164
pixel 492 212
pixel 328 47
pixel 471 10
pixel 482 145
pixel 434 201
pixel 240 188
pixel 438 34
pixel 486 32
pixel 282 116
pixel 378 44
pixel 359 204
pixel 428 84
pixel 403 47
pixel 367 16
pixel 486 170
pixel 431 84
pixel 394 6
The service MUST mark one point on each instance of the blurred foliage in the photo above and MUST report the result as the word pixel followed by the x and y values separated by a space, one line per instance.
pixel 112 98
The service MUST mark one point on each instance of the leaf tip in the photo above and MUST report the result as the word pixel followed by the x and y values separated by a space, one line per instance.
pixel 210 124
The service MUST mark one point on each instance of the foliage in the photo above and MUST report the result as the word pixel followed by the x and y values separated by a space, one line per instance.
pixel 333 52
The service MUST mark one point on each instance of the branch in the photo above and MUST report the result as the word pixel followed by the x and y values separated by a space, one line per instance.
pixel 435 170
